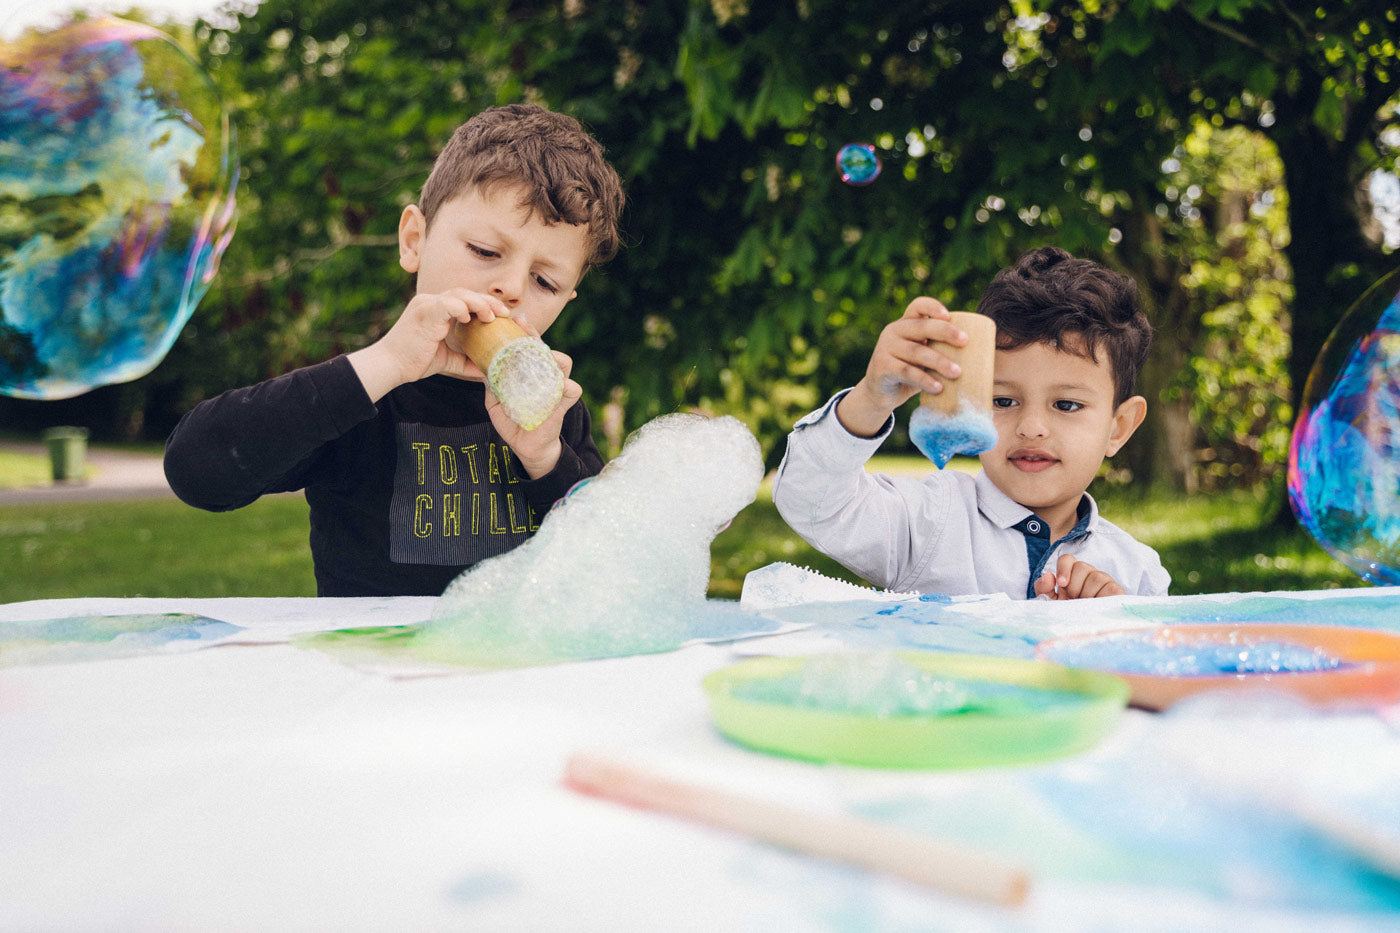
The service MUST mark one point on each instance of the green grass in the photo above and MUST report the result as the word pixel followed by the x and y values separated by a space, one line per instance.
pixel 154 547
pixel 21 470
pixel 160 547
pixel 1223 542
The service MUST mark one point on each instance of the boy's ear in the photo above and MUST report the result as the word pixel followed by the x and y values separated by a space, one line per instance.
pixel 1126 418
pixel 412 228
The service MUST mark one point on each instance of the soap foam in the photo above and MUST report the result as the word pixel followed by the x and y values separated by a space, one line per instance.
pixel 619 567
pixel 525 377
pixel 941 437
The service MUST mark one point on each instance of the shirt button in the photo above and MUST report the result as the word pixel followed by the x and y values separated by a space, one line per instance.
pixel 1033 527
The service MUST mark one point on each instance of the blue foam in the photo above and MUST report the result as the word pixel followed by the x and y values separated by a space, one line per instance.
pixel 941 437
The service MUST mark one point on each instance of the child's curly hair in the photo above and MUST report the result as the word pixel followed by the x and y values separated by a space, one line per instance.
pixel 558 165
pixel 1049 296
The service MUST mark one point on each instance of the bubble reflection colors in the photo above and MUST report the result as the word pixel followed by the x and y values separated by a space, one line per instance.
pixel 1344 460
pixel 858 163
pixel 117 175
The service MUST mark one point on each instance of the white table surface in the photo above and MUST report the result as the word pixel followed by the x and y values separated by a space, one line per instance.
pixel 271 787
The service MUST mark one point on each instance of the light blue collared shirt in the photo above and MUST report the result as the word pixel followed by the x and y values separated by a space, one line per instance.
pixel 949 532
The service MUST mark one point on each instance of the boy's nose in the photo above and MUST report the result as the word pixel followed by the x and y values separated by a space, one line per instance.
pixel 1030 426
pixel 508 295
pixel 508 286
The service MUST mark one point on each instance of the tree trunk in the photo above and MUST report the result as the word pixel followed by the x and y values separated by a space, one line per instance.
pixel 1161 454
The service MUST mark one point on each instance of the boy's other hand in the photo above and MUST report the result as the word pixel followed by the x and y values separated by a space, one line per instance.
pixel 903 364
pixel 1076 579
pixel 537 450
pixel 415 347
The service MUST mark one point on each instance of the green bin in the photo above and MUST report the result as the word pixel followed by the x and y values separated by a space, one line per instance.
pixel 67 453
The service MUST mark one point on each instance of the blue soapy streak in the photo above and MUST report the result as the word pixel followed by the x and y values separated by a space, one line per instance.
pixel 1143 654
pixel 924 624
pixel 1137 818
pixel 1378 612
pixel 99 637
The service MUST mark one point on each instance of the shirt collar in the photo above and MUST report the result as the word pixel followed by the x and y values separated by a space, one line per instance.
pixel 1004 512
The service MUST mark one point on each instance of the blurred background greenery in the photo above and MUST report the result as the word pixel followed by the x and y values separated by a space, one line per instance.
pixel 1227 154
pixel 161 547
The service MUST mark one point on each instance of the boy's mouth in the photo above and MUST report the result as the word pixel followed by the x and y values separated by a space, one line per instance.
pixel 1031 461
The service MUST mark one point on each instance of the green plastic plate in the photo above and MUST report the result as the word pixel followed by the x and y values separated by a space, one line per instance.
pixel 1088 707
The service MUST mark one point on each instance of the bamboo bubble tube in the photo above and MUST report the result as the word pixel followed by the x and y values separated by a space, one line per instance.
pixel 958 420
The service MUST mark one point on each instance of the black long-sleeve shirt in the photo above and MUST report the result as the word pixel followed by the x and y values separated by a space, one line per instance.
pixel 404 495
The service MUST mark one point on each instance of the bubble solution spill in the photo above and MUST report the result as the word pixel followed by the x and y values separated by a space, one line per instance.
pixel 117 175
pixel 941 437
pixel 1184 658
pixel 881 684
pixel 858 163
pixel 99 637
pixel 1344 458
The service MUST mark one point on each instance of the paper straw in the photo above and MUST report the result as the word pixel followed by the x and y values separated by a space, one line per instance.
pixel 877 847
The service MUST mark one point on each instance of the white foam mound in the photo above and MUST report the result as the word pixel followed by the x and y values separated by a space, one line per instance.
pixel 619 567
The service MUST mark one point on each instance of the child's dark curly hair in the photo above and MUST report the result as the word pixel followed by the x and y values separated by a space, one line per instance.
pixel 1080 306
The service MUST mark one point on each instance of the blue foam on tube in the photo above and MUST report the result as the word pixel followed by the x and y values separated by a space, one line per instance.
pixel 941 437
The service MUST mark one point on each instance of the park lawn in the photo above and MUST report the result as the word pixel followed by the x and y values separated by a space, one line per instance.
pixel 19 470
pixel 154 547
pixel 161 547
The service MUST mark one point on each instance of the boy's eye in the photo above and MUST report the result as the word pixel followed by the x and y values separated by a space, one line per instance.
pixel 482 251
pixel 1065 404
pixel 546 284
pixel 1002 401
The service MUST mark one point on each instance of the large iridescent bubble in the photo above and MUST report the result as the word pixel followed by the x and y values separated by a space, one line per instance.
pixel 1344 463
pixel 117 174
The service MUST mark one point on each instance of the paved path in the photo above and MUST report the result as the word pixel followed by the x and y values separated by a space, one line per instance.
pixel 114 474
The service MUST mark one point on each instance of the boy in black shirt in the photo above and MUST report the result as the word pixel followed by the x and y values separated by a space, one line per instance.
pixel 412 469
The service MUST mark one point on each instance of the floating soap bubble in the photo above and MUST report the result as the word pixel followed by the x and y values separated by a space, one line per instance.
pixel 117 175
pixel 858 163
pixel 1344 460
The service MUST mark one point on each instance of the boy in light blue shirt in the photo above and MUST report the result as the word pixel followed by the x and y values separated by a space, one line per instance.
pixel 1070 342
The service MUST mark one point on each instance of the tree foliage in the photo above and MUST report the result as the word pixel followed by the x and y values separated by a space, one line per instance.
pixel 1231 216
pixel 1320 80
pixel 754 281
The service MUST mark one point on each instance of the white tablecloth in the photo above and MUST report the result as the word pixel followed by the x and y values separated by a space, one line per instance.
pixel 272 787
